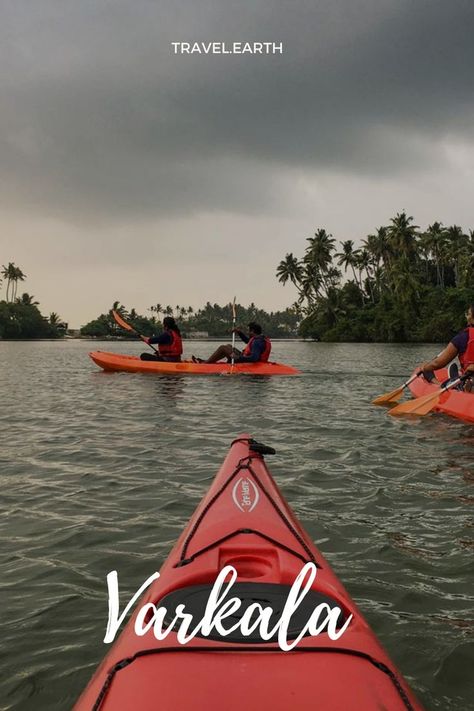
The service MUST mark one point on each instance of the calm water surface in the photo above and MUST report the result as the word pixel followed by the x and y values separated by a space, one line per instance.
pixel 101 471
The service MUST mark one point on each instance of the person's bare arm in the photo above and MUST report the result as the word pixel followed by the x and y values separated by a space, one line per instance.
pixel 445 357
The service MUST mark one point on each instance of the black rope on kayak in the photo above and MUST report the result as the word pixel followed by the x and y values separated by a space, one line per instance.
pixel 287 523
pixel 255 446
pixel 206 509
pixel 255 650
pixel 245 464
pixel 117 667
pixel 238 532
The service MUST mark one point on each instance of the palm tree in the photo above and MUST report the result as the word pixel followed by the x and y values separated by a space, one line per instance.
pixel 433 242
pixel 290 269
pixel 18 276
pixel 320 249
pixel 157 308
pixel 13 275
pixel 402 236
pixel 457 249
pixel 347 258
pixel 56 322
pixel 27 300
pixel 363 263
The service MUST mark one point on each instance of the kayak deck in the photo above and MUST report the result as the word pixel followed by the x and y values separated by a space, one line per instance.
pixel 453 402
pixel 243 521
pixel 133 364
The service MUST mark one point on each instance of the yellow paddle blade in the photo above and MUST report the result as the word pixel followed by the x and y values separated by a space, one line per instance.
pixel 121 322
pixel 420 406
pixel 396 394
pixel 386 399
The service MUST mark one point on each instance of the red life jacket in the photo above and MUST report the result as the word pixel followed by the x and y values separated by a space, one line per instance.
pixel 467 358
pixel 266 352
pixel 173 349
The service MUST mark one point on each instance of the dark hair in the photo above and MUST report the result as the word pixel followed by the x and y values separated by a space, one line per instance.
pixel 255 327
pixel 170 323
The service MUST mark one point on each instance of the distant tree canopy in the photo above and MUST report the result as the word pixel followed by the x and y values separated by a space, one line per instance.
pixel 402 284
pixel 212 319
pixel 20 316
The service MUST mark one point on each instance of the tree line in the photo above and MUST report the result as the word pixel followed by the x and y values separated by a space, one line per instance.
pixel 20 316
pixel 402 284
pixel 212 320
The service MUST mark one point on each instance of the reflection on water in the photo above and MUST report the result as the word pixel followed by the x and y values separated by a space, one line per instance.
pixel 102 471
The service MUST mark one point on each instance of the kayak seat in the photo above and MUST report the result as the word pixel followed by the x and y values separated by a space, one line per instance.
pixel 195 599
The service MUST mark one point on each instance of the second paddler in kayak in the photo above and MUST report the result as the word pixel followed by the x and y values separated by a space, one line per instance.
pixel 462 347
pixel 257 349
pixel 169 342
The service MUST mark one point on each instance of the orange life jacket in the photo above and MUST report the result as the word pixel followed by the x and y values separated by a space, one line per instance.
pixel 173 349
pixel 467 358
pixel 266 352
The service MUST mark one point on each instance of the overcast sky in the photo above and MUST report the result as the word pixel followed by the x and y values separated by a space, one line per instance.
pixel 131 173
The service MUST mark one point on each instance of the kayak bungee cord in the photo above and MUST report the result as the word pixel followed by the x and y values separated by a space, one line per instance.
pixel 241 649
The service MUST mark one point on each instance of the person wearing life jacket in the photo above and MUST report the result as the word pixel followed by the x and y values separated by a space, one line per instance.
pixel 257 349
pixel 462 347
pixel 170 345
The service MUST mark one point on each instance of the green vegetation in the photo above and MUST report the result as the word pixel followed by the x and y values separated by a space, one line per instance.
pixel 20 316
pixel 403 284
pixel 212 320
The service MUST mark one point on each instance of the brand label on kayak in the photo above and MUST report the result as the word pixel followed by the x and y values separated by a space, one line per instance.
pixel 245 494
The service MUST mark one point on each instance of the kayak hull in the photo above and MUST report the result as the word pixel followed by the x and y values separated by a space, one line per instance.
pixel 453 402
pixel 244 522
pixel 133 364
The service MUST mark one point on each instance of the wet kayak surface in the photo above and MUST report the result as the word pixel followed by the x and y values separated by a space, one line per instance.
pixel 101 471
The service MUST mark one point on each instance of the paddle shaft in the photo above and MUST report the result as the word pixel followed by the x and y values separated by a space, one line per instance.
pixel 233 335
pixel 127 327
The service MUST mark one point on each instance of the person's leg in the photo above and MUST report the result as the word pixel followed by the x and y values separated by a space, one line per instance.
pixel 220 353
pixel 224 351
pixel 150 356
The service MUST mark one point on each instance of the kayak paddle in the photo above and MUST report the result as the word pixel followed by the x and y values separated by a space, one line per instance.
pixel 232 357
pixel 396 394
pixel 233 336
pixel 123 324
pixel 424 404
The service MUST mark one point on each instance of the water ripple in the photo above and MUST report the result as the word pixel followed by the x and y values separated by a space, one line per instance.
pixel 101 471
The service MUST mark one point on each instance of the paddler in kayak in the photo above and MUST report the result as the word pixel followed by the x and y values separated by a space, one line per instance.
pixel 257 350
pixel 169 343
pixel 462 347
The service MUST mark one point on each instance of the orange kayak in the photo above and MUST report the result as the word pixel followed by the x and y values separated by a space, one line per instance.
pixel 133 364
pixel 453 402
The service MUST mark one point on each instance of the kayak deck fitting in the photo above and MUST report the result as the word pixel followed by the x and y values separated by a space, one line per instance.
pixel 243 521
pixel 453 402
pixel 133 364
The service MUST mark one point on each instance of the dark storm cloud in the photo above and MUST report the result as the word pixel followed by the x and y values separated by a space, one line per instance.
pixel 99 120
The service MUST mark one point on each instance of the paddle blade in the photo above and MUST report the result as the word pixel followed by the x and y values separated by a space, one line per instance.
pixel 386 399
pixel 420 406
pixel 121 322
pixel 396 394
